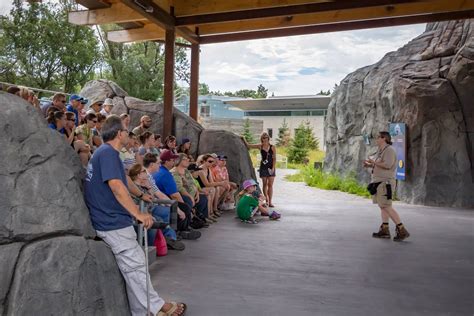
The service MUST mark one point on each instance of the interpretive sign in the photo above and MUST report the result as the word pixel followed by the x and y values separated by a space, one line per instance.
pixel 398 133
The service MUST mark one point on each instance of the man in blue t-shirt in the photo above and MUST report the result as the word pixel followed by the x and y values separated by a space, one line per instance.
pixel 76 104
pixel 111 210
pixel 165 182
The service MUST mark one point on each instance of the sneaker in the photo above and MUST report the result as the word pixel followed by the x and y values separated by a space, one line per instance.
pixel 274 216
pixel 384 232
pixel 190 234
pixel 402 233
pixel 174 244
pixel 249 221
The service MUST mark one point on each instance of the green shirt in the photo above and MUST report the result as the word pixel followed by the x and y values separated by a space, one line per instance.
pixel 185 183
pixel 245 206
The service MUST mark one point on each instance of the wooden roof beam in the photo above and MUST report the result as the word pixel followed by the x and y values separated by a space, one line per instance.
pixel 154 13
pixel 407 9
pixel 116 13
pixel 337 27
pixel 149 32
pixel 285 11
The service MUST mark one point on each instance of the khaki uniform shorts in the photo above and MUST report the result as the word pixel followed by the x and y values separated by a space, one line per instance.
pixel 380 197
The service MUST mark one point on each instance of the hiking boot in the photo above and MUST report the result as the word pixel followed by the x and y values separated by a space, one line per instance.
pixel 402 233
pixel 190 234
pixel 174 244
pixel 383 232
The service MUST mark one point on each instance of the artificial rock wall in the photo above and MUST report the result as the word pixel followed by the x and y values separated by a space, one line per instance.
pixel 429 85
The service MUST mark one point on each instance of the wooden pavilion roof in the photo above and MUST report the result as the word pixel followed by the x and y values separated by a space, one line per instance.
pixel 214 21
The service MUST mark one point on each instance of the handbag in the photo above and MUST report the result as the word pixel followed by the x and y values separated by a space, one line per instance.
pixel 372 187
pixel 160 244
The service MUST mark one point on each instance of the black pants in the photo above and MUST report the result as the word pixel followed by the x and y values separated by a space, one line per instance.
pixel 183 224
pixel 201 207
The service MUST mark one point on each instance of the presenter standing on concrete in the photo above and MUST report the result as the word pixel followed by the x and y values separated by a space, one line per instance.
pixel 384 166
pixel 111 210
pixel 267 165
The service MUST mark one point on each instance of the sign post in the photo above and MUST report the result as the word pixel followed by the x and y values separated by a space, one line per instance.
pixel 398 134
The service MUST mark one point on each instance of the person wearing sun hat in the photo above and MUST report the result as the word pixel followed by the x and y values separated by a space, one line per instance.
pixel 248 204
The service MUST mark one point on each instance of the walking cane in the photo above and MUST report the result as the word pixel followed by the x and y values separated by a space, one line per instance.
pixel 145 232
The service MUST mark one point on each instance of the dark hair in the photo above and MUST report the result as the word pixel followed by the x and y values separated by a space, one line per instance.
pixel 168 139
pixel 13 89
pixel 157 136
pixel 181 149
pixel 89 117
pixel 206 157
pixel 123 116
pixel 144 137
pixel 55 116
pixel 148 159
pixel 131 134
pixel 135 171
pixel 386 136
pixel 111 127
pixel 100 117
pixel 70 115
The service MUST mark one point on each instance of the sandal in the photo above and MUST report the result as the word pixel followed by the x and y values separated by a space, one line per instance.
pixel 173 309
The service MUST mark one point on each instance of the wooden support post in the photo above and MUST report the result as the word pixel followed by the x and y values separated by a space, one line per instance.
pixel 169 83
pixel 194 88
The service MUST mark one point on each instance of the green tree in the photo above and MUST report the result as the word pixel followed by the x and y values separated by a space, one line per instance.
pixel 203 89
pixel 324 92
pixel 247 134
pixel 283 134
pixel 262 92
pixel 311 142
pixel 44 50
pixel 298 151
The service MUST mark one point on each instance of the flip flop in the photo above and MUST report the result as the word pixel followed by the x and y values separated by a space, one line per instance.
pixel 173 309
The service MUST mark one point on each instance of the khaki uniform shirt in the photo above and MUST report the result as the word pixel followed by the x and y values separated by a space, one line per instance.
pixel 388 156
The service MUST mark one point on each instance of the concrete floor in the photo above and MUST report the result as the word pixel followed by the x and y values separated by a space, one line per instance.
pixel 320 259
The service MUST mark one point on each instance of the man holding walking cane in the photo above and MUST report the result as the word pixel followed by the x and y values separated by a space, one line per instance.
pixel 112 211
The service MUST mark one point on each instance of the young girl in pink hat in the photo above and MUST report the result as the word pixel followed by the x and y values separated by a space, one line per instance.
pixel 248 204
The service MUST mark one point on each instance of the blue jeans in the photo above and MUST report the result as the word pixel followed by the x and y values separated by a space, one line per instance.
pixel 163 213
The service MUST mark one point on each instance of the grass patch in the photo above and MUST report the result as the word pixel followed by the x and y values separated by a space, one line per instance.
pixel 329 181
pixel 314 156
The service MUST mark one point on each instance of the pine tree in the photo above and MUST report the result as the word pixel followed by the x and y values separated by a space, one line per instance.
pixel 247 134
pixel 310 141
pixel 298 151
pixel 283 134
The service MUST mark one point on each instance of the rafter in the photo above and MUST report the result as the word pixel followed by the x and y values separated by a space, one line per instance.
pixel 116 13
pixel 149 32
pixel 337 27
pixel 285 11
pixel 194 7
pixel 407 9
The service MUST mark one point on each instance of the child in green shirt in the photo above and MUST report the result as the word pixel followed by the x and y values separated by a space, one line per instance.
pixel 248 204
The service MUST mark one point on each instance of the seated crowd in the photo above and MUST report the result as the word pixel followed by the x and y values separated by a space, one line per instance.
pixel 134 165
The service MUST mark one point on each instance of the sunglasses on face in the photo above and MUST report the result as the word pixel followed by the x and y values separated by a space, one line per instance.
pixel 210 161
pixel 94 122
pixel 63 101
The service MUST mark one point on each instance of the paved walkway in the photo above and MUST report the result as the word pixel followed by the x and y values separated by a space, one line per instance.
pixel 320 259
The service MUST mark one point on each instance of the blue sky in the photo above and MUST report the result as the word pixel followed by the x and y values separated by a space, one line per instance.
pixel 294 65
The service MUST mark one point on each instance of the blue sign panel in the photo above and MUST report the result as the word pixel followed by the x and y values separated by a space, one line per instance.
pixel 398 133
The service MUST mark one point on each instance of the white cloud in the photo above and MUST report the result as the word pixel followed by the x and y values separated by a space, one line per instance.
pixel 299 64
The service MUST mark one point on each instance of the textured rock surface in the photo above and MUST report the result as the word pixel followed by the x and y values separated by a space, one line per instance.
pixel 63 274
pixel 428 84
pixel 49 265
pixel 227 143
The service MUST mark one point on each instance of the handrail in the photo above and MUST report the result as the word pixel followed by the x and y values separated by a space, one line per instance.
pixel 34 89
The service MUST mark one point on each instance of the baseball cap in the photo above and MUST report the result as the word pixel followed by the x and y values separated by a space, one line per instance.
pixel 109 101
pixel 214 155
pixel 167 155
pixel 222 157
pixel 84 101
pixel 194 167
pixel 185 140
pixel 76 97
pixel 248 183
